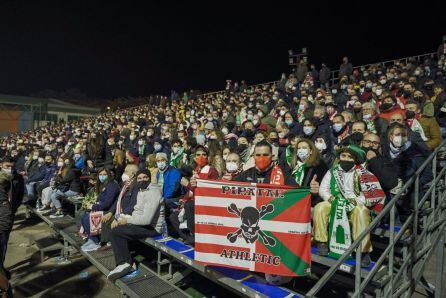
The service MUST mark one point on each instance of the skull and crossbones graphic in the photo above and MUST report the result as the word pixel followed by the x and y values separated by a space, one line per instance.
pixel 250 229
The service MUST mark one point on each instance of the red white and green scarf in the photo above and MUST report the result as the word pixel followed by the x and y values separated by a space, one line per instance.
pixel 339 228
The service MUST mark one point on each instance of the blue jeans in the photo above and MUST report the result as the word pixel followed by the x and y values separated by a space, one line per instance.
pixel 85 222
pixel 55 195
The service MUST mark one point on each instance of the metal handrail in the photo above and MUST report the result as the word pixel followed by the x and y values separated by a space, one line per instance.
pixel 388 208
pixel 334 73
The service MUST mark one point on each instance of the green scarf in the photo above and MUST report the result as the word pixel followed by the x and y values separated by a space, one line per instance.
pixel 175 159
pixel 339 227
pixel 299 172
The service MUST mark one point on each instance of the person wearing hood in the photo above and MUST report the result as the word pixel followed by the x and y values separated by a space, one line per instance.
pixel 266 118
pixel 293 126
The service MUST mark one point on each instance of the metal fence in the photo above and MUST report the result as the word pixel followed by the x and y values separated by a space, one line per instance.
pixel 334 77
pixel 425 233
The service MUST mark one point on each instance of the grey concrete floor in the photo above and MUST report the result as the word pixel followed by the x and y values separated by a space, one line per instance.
pixel 33 278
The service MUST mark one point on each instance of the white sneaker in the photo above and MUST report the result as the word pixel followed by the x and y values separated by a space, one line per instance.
pixel 120 271
pixel 92 247
pixel 87 244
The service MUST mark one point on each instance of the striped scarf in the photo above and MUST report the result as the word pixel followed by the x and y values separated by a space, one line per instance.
pixel 124 190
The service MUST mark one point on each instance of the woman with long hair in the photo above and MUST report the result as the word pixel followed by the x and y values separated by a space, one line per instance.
pixel 307 168
pixel 105 192
pixel 67 184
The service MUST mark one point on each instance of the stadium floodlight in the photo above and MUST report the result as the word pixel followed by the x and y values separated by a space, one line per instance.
pixel 304 51
pixel 290 52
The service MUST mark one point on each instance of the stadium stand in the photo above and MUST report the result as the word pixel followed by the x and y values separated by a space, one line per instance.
pixel 389 116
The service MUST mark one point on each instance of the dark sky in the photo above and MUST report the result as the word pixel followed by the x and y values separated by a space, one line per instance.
pixel 110 49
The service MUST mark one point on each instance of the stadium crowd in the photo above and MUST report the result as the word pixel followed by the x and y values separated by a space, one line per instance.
pixel 137 169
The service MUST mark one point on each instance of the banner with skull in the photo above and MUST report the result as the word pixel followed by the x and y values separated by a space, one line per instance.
pixel 256 227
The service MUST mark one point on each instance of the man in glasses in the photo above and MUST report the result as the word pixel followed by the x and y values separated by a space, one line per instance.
pixel 265 171
pixel 378 164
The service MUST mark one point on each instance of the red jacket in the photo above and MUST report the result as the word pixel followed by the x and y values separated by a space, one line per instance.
pixel 395 110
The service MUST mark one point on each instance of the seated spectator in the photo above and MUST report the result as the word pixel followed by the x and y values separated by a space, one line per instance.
pixel 371 117
pixel 407 157
pixel 145 220
pixel 124 204
pixel 169 178
pixel 106 191
pixel 389 107
pixel 233 166
pixel 339 195
pixel 307 168
pixel 67 184
pixel 425 126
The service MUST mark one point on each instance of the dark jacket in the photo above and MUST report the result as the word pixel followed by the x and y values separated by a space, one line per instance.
pixel 17 191
pixel 324 75
pixel 346 69
pixel 382 168
pixel 6 215
pixel 38 175
pixel 32 168
pixel 49 173
pixel 107 197
pixel 319 170
pixel 71 181
pixel 253 175
pixel 128 202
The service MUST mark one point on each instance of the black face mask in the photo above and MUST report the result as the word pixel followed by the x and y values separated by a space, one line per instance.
pixel 346 165
pixel 356 137
pixel 410 114
pixel 274 140
pixel 242 147
pixel 386 106
pixel 418 98
pixel 407 93
pixel 143 184
pixel 357 110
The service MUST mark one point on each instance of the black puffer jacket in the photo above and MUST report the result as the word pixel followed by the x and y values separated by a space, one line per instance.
pixel 71 181
pixel 6 217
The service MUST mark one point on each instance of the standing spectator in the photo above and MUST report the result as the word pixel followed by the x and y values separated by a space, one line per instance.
pixel 324 77
pixel 346 68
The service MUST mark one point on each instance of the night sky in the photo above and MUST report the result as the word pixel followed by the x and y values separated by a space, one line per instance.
pixel 110 49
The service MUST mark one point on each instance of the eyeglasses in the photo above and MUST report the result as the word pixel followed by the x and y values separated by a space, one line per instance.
pixel 368 142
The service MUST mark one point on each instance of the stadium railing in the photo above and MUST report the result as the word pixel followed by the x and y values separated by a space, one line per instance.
pixel 426 226
pixel 334 77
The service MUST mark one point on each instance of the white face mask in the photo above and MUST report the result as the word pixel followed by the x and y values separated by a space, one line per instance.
pixel 157 147
pixel 7 171
pixel 397 141
pixel 60 164
pixel 231 167
pixel 125 177
pixel 41 160
pixel 225 131
pixel 140 142
pixel 175 150
pixel 35 157
pixel 321 146
pixel 366 116
pixel 378 92
pixel 303 154
pixel 132 137
pixel 161 165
